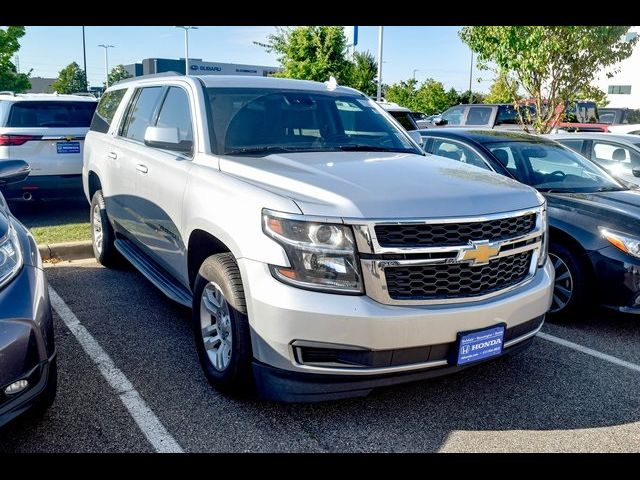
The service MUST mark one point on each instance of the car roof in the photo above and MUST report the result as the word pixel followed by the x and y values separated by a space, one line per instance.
pixel 483 135
pixel 238 81
pixel 620 137
pixel 58 97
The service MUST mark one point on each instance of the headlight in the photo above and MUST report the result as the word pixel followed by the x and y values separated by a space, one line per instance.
pixel 10 256
pixel 622 241
pixel 544 250
pixel 322 255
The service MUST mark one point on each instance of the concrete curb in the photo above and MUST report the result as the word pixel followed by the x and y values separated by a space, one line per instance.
pixel 66 251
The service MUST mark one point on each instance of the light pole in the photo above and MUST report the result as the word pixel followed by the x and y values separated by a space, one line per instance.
pixel 380 32
pixel 84 56
pixel 414 72
pixel 186 47
pixel 471 78
pixel 106 63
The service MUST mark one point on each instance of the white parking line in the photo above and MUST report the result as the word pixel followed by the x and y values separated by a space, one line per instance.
pixel 589 351
pixel 150 425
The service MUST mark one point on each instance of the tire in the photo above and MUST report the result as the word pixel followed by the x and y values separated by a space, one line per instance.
pixel 103 247
pixel 226 363
pixel 571 276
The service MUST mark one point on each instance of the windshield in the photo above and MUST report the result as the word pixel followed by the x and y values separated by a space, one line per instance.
pixel 552 167
pixel 250 121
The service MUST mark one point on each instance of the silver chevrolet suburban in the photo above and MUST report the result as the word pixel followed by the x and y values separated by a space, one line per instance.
pixel 321 253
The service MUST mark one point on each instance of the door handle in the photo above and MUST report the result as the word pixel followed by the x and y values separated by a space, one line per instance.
pixel 142 168
pixel 113 155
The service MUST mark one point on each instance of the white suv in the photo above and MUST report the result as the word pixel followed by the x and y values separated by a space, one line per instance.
pixel 322 253
pixel 47 131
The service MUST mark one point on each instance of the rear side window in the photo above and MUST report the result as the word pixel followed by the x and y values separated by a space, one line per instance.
pixel 479 116
pixel 51 114
pixel 507 115
pixel 573 144
pixel 405 119
pixel 140 114
pixel 106 110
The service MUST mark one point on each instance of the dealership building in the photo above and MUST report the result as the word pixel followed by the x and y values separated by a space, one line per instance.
pixel 623 89
pixel 197 67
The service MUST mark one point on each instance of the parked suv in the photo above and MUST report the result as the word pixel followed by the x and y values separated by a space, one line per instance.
pixel 47 131
pixel 321 253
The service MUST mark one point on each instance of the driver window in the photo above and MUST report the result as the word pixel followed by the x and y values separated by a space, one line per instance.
pixel 610 152
pixel 453 116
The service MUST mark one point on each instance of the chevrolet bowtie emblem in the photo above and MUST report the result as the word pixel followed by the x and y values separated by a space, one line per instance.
pixel 479 253
pixel 68 139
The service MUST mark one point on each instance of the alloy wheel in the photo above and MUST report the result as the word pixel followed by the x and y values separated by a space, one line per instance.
pixel 563 284
pixel 215 324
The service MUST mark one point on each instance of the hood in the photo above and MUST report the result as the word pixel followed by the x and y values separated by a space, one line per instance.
pixel 608 209
pixel 381 184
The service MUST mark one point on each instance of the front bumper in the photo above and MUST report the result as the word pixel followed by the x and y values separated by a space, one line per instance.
pixel 281 315
pixel 27 345
pixel 616 279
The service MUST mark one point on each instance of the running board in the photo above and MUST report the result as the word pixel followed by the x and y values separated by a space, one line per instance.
pixel 154 273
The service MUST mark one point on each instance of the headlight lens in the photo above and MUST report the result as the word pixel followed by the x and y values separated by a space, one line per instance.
pixel 622 241
pixel 544 251
pixel 10 256
pixel 322 255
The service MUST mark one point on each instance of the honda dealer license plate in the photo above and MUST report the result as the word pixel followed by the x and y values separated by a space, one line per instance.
pixel 68 147
pixel 480 344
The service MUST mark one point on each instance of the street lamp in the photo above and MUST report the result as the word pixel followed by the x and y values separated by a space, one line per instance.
pixel 416 70
pixel 106 63
pixel 186 46
pixel 379 91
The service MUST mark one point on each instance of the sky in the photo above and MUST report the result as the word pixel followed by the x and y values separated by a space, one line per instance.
pixel 435 52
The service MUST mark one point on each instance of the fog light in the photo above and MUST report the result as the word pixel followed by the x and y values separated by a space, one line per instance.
pixel 16 387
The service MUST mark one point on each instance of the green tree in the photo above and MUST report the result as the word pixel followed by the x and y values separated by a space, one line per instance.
pixel 70 80
pixel 10 79
pixel 551 64
pixel 117 73
pixel 311 53
pixel 364 73
pixel 429 97
pixel 594 94
pixel 503 90
pixel 468 96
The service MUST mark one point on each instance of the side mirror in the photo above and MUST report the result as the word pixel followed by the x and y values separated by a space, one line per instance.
pixel 13 171
pixel 636 172
pixel 439 121
pixel 416 137
pixel 167 138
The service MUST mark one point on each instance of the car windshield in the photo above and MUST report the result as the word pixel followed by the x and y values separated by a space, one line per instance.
pixel 250 121
pixel 552 167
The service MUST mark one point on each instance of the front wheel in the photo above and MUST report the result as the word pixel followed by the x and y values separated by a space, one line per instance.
pixel 570 285
pixel 102 235
pixel 221 325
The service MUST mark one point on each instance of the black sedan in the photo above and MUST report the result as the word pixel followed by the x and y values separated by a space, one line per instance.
pixel 594 220
pixel 28 374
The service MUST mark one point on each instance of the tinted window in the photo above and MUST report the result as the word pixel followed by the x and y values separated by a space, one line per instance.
pixel 607 117
pixel 633 116
pixel 140 114
pixel 459 152
pixel 405 119
pixel 106 110
pixel 51 114
pixel 260 121
pixel 479 116
pixel 575 145
pixel 507 115
pixel 453 116
pixel 175 112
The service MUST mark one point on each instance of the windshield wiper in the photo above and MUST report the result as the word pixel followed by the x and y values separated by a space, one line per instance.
pixel 610 189
pixel 372 148
pixel 261 150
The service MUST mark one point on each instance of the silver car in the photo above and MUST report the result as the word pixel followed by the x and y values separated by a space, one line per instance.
pixel 321 254
pixel 619 154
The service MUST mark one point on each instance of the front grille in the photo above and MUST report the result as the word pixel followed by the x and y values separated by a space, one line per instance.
pixel 454 280
pixel 452 234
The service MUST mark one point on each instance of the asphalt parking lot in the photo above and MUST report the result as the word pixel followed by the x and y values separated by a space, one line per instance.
pixel 550 398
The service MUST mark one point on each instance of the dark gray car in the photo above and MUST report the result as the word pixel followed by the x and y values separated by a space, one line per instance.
pixel 28 373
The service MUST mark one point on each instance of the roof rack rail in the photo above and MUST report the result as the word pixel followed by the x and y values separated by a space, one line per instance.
pixel 150 75
pixel 84 94
pixel 8 92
